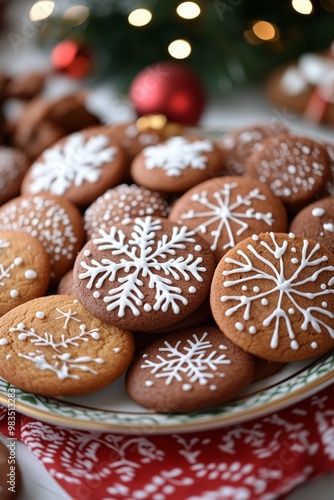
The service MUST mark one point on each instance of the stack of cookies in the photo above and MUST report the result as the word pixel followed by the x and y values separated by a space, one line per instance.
pixel 193 265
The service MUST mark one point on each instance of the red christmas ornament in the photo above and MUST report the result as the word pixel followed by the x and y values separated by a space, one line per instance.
pixel 171 89
pixel 71 58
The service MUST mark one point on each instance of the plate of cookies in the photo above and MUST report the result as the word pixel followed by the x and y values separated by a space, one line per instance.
pixel 154 281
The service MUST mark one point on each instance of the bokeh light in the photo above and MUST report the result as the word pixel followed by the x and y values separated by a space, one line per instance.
pixel 140 17
pixel 179 49
pixel 302 6
pixel 76 15
pixel 188 10
pixel 41 10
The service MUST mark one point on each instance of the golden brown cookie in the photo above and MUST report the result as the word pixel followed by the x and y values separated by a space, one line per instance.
pixel 54 221
pixel 226 210
pixel 24 269
pixel 273 295
pixel 65 286
pixel 189 370
pixel 54 346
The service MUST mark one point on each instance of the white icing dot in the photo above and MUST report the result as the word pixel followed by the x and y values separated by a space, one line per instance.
pixel 252 329
pixel 148 383
pixel 294 345
pixel 198 248
pixel 291 310
pixel 30 274
pixel 147 307
pixel 8 356
pixel 255 237
pixel 191 289
pixel 291 235
pixel 264 302
pixel 314 345
pixel 292 169
pixel 21 326
pixel 96 294
pixel 187 387
pixel 323 286
pixel 239 326
pixel 18 261
pixel 212 387
pixel 75 301
pixel 87 253
pixel 293 249
pixel 318 212
pixel 14 293
pixel 324 304
pixel 3 341
pixel 328 226
pixel 223 347
pixel 294 260
pixel 244 288
pixel 95 336
pixel 256 289
pixel 40 314
pixel 116 349
pixel 145 355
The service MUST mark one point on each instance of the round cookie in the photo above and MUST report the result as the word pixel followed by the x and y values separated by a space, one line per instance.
pixel 24 269
pixel 53 346
pixel 295 168
pixel 13 166
pixel 65 286
pixel 273 295
pixel 316 221
pixel 240 143
pixel 80 167
pixel 10 477
pixel 226 210
pixel 54 221
pixel 148 273
pixel 120 204
pixel 176 164
pixel 189 370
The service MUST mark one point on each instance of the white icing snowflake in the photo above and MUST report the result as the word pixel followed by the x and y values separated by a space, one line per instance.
pixel 272 274
pixel 143 254
pixel 67 316
pixel 192 362
pixel 176 155
pixel 76 161
pixel 5 271
pixel 221 213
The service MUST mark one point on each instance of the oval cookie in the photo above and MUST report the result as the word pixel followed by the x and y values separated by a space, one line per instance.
pixel 189 370
pixel 13 167
pixel 53 346
pixel 273 295
pixel 144 274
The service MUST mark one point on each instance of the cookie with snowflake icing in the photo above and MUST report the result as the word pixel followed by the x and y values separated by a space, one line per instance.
pixel 13 167
pixel 120 204
pixel 24 269
pixel 176 164
pixel 144 274
pixel 53 346
pixel 54 221
pixel 273 295
pixel 226 210
pixel 189 370
pixel 295 168
pixel 80 167
pixel 316 221
pixel 240 143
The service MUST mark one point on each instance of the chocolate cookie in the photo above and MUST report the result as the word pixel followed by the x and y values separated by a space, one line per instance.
pixel 13 167
pixel 120 204
pixel 226 210
pixel 316 221
pixel 295 168
pixel 144 274
pixel 80 167
pixel 176 164
pixel 273 295
pixel 239 144
pixel 10 477
pixel 189 370
pixel 54 346
pixel 24 269
pixel 56 222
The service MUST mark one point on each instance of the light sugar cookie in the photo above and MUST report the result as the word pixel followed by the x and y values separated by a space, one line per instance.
pixel 54 346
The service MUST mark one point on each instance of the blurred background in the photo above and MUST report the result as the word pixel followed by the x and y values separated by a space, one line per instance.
pixel 209 62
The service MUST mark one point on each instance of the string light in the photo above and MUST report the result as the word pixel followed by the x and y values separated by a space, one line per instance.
pixel 188 10
pixel 302 6
pixel 264 30
pixel 76 15
pixel 179 49
pixel 41 10
pixel 140 17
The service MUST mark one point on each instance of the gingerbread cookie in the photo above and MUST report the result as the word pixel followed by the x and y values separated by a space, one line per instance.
pixel 120 204
pixel 176 164
pixel 265 369
pixel 10 477
pixel 273 295
pixel 238 145
pixel 80 167
pixel 295 168
pixel 24 269
pixel 54 221
pixel 144 274
pixel 189 370
pixel 65 286
pixel 13 167
pixel 316 221
pixel 54 346
pixel 226 210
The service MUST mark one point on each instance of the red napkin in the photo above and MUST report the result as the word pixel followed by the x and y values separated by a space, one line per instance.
pixel 259 460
